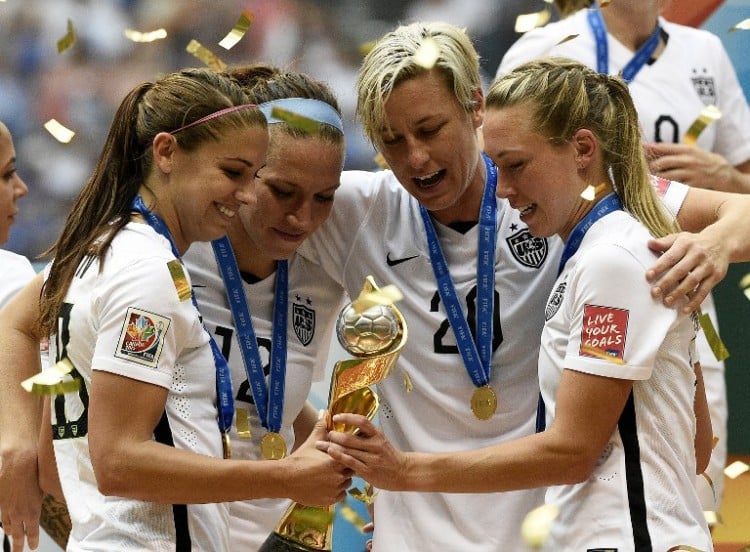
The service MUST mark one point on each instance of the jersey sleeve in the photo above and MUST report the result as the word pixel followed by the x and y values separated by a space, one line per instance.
pixel 671 193
pixel 144 326
pixel 330 245
pixel 15 272
pixel 617 328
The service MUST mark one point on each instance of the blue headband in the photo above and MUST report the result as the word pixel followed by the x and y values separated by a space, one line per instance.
pixel 315 110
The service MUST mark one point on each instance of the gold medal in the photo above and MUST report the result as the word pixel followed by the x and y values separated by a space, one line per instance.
pixel 273 446
pixel 226 444
pixel 484 402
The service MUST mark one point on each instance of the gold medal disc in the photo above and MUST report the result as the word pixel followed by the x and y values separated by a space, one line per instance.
pixel 273 446
pixel 484 402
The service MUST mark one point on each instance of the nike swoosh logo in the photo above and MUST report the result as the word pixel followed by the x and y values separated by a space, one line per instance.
pixel 394 262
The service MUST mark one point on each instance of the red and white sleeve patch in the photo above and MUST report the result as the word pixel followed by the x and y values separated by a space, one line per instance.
pixel 604 331
pixel 661 185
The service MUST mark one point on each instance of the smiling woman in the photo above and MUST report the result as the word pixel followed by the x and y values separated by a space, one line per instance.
pixel 179 161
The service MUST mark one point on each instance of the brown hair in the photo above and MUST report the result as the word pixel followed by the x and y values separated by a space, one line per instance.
pixel 103 206
pixel 264 82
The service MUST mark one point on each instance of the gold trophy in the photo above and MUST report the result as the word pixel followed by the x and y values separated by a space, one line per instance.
pixel 372 330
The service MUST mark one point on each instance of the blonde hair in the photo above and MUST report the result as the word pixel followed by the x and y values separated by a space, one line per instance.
pixel 566 96
pixel 392 61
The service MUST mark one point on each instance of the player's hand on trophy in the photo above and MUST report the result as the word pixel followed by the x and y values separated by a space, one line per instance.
pixel 316 478
pixel 367 452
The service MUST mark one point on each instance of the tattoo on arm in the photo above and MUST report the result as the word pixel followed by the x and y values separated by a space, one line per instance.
pixel 55 520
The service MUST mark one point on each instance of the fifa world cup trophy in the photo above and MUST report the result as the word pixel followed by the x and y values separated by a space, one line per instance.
pixel 374 333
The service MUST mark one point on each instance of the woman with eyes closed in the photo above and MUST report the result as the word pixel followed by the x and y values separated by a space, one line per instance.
pixel 292 303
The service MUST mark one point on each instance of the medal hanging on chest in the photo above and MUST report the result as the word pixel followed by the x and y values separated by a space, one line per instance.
pixel 477 356
pixel 269 399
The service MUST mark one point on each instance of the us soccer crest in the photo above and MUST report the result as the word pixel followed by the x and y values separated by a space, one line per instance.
pixel 705 87
pixel 303 322
pixel 555 300
pixel 526 249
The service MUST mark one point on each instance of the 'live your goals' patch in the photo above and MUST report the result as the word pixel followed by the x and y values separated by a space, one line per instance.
pixel 604 329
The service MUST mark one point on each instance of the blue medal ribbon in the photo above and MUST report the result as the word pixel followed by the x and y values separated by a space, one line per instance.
pixel 606 205
pixel 269 399
pixel 223 377
pixel 641 57
pixel 476 356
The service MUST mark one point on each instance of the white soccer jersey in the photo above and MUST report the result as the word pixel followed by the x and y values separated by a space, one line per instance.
pixel 376 229
pixel 15 272
pixel 313 305
pixel 128 320
pixel 669 94
pixel 640 495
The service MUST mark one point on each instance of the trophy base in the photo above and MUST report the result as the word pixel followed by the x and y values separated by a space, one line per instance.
pixel 277 543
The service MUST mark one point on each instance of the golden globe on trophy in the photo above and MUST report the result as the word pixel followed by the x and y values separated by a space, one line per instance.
pixel 373 331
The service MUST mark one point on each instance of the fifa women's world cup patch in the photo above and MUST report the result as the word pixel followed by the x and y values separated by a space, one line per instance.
pixel 604 331
pixel 142 337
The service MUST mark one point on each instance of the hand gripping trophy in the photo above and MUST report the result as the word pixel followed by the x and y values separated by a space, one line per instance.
pixel 372 330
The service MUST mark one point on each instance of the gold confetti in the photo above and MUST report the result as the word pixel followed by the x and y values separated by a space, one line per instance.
pixel 179 279
pixel 380 160
pixel 242 418
pixel 537 525
pixel 745 285
pixel 709 114
pixel 366 47
pixel 408 385
pixel 567 39
pixel 589 194
pixel 150 36
pixel 743 25
pixel 238 31
pixel 352 516
pixel 600 353
pixel 367 496
pixel 55 380
pixel 715 442
pixel 735 469
pixel 385 296
pixel 714 341
pixel 296 120
pixel 68 40
pixel 712 518
pixel 61 133
pixel 427 54
pixel 205 55
pixel 527 21
pixel 604 3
